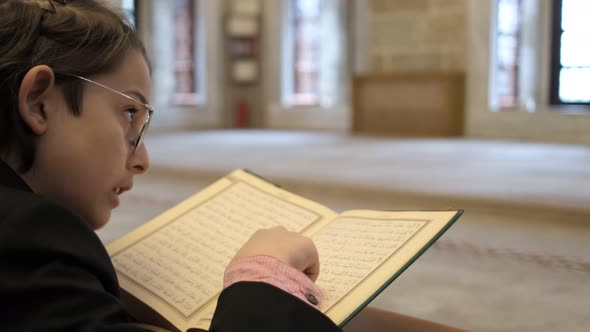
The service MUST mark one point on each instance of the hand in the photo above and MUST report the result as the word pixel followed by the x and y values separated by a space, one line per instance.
pixel 290 248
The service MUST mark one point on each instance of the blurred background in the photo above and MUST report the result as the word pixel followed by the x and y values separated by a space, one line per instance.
pixel 393 104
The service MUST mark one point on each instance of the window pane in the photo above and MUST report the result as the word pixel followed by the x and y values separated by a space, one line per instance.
pixel 307 9
pixel 507 53
pixel 314 64
pixel 306 32
pixel 128 7
pixel 574 85
pixel 575 49
pixel 508 16
pixel 571 80
pixel 574 15
pixel 184 64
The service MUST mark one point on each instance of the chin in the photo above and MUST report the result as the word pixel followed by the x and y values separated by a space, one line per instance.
pixel 98 226
pixel 99 221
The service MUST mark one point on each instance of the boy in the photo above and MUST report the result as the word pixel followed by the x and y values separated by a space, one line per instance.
pixel 74 91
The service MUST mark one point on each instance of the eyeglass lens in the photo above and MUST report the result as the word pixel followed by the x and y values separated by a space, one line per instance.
pixel 139 125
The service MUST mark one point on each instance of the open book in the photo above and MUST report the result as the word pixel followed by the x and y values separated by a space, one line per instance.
pixel 171 268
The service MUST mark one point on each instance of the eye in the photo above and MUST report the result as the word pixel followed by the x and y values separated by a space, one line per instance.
pixel 130 113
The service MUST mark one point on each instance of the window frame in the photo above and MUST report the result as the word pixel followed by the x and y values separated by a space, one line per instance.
pixel 495 97
pixel 555 62
pixel 156 21
pixel 290 98
pixel 298 98
pixel 197 97
pixel 279 113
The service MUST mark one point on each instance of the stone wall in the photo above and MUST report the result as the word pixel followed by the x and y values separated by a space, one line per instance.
pixel 416 35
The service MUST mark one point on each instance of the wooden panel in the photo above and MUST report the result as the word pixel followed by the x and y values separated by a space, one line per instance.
pixel 409 104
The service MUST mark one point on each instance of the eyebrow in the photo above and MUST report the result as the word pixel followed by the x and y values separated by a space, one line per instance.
pixel 137 94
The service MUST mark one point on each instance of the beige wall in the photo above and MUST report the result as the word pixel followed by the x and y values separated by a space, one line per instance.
pixel 454 35
pixel 385 36
pixel 416 35
pixel 410 45
pixel 390 36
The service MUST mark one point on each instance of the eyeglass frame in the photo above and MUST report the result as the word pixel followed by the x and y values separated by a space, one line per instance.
pixel 150 110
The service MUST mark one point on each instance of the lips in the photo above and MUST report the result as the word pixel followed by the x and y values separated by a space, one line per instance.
pixel 120 190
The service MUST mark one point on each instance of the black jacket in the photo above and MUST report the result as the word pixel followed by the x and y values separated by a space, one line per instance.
pixel 55 275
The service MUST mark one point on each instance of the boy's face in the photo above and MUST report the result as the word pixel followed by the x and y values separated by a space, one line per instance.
pixel 84 162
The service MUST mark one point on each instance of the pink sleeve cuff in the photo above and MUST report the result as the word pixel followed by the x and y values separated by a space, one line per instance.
pixel 272 271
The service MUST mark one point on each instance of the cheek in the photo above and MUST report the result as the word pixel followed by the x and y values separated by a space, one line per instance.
pixel 92 159
pixel 90 185
pixel 109 137
pixel 80 160
pixel 105 120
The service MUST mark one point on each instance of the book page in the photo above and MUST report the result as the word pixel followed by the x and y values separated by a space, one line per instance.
pixel 361 252
pixel 351 248
pixel 176 263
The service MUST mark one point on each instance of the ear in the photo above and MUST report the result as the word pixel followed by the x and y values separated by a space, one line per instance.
pixel 33 95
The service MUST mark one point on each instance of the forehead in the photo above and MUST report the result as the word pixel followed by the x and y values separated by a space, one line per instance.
pixel 131 75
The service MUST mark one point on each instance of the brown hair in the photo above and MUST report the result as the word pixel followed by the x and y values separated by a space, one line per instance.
pixel 80 37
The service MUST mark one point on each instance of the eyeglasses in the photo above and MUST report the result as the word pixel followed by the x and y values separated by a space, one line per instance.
pixel 140 120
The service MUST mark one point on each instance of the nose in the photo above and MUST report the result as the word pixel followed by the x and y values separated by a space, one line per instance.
pixel 139 162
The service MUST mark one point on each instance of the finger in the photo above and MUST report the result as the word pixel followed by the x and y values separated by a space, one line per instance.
pixel 279 228
pixel 313 272
pixel 313 263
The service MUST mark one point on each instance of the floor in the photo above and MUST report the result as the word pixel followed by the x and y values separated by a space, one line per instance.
pixel 518 259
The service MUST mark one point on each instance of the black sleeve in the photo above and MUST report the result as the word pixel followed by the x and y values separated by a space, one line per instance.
pixel 260 307
pixel 55 275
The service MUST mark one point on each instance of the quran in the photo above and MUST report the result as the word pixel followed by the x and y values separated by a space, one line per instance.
pixel 171 268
